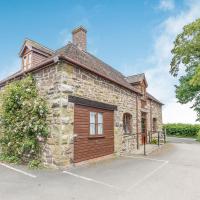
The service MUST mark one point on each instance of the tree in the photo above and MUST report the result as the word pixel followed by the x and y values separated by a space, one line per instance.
pixel 23 119
pixel 186 55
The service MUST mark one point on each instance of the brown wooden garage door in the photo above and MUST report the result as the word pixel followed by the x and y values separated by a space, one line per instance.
pixel 94 128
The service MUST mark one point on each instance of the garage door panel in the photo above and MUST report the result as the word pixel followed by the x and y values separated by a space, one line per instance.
pixel 85 147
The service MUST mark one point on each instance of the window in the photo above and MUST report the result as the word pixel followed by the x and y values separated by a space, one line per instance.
pixel 154 124
pixel 27 61
pixel 127 123
pixel 96 123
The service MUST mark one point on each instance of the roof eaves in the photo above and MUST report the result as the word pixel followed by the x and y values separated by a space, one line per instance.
pixel 45 63
pixel 55 59
pixel 36 45
pixel 151 97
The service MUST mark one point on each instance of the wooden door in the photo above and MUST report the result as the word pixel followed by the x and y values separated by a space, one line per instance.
pixel 144 127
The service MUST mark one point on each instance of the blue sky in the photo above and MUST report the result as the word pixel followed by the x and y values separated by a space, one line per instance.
pixel 131 35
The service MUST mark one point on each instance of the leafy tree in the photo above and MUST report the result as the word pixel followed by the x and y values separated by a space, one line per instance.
pixel 186 54
pixel 23 118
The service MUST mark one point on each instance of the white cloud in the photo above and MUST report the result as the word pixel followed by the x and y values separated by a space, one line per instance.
pixel 161 83
pixel 175 112
pixel 166 5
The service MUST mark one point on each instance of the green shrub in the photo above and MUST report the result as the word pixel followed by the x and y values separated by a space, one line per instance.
pixel 198 136
pixel 9 159
pixel 23 121
pixel 185 130
pixel 154 141
pixel 35 164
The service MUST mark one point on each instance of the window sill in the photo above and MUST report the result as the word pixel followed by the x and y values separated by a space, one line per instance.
pixel 96 136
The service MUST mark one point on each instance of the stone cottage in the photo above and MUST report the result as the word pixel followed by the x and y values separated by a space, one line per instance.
pixel 95 110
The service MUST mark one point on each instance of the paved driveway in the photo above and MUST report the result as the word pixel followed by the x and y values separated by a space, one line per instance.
pixel 171 173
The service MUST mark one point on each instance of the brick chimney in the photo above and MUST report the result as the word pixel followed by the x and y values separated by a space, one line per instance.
pixel 79 37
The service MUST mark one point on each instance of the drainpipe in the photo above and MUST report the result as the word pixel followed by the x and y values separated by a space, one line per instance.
pixel 151 128
pixel 137 121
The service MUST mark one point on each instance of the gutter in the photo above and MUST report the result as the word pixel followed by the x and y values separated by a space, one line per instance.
pixel 56 59
pixel 42 65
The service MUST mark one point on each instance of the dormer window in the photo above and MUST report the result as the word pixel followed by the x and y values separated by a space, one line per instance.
pixel 32 53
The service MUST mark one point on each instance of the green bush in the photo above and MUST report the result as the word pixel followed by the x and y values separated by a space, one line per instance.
pixel 198 136
pixel 154 141
pixel 185 130
pixel 35 164
pixel 23 121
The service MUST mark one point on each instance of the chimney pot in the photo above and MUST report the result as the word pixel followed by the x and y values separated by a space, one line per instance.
pixel 79 37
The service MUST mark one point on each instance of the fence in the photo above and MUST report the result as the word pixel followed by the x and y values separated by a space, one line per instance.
pixel 154 137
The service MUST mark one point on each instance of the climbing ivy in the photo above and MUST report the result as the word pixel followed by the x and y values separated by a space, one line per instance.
pixel 23 121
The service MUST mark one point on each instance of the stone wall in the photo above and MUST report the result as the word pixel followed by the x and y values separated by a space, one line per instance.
pixel 58 150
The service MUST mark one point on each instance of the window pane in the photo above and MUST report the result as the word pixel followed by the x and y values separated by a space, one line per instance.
pixel 25 60
pixel 92 123
pixel 92 129
pixel 92 117
pixel 100 118
pixel 100 123
pixel 100 129
pixel 29 58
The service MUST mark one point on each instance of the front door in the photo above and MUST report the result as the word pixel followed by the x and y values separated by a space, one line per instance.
pixel 144 127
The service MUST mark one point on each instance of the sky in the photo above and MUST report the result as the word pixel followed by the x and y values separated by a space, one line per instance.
pixel 133 36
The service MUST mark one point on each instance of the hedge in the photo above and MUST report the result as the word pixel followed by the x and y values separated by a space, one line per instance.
pixel 179 129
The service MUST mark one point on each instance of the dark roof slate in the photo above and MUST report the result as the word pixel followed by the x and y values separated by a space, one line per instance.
pixel 136 78
pixel 95 64
pixel 153 98
pixel 36 45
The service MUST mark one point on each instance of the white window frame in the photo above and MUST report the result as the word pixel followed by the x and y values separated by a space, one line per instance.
pixel 96 127
pixel 25 60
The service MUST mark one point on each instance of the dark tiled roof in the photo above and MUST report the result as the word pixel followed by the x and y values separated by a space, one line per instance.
pixel 136 78
pixel 95 64
pixel 85 59
pixel 153 98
